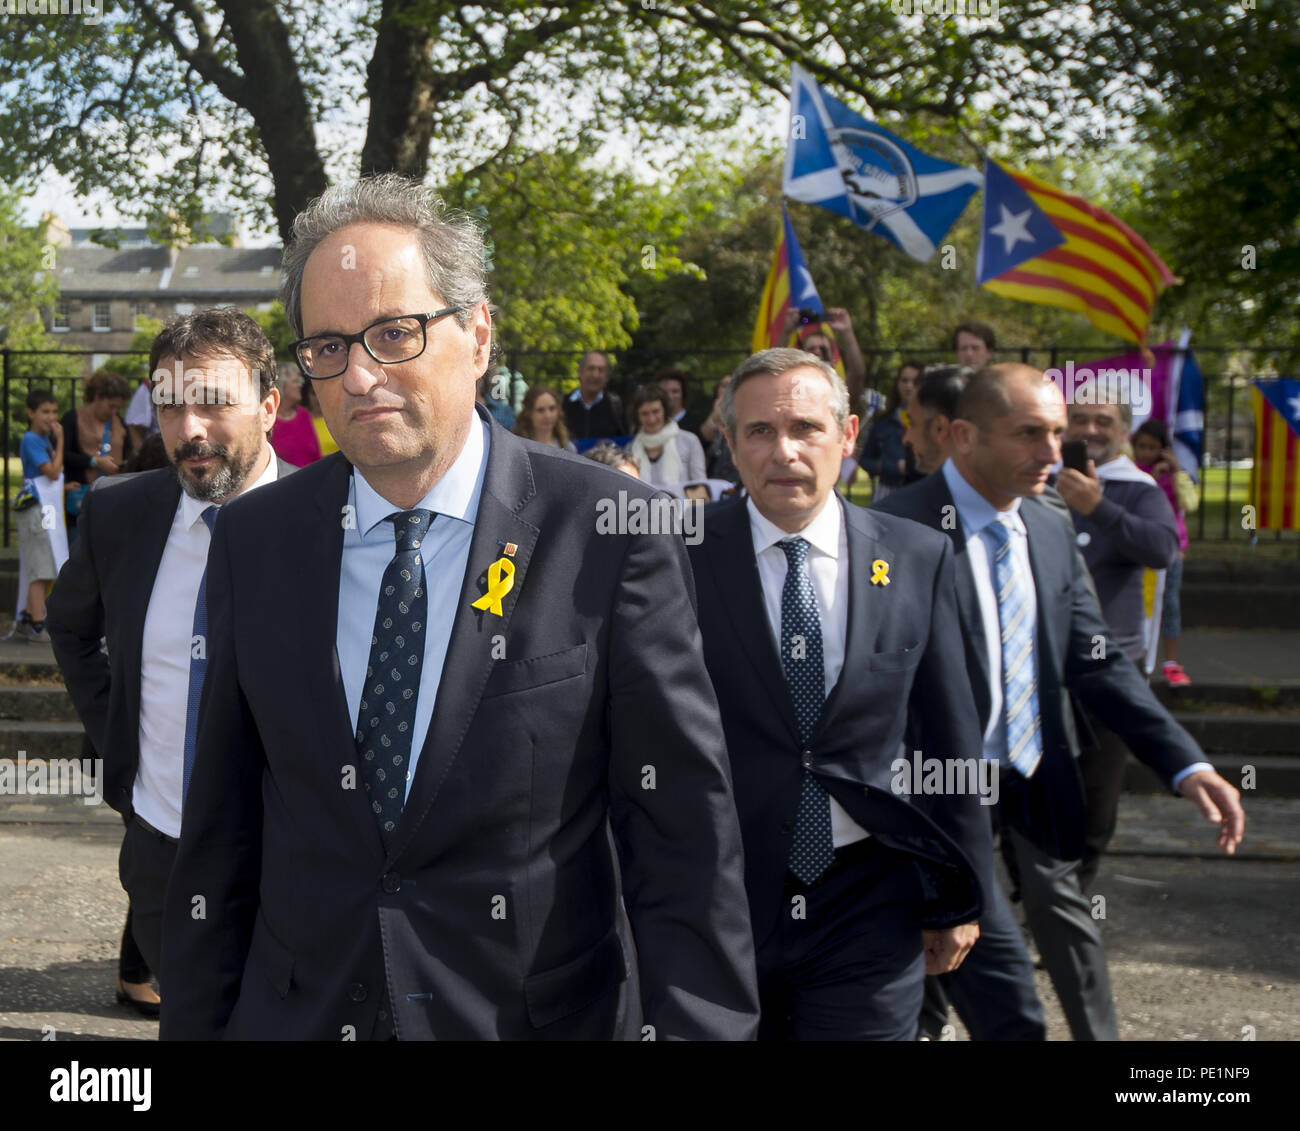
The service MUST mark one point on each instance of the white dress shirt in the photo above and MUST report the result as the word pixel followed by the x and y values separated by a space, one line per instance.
pixel 369 548
pixel 165 671
pixel 828 567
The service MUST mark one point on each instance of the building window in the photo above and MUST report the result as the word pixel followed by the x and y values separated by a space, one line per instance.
pixel 62 309
pixel 139 312
pixel 190 272
pixel 103 317
pixel 185 308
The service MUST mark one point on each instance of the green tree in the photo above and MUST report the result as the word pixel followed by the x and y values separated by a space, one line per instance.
pixel 168 103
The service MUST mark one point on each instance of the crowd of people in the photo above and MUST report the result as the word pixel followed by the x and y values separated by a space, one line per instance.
pixel 483 768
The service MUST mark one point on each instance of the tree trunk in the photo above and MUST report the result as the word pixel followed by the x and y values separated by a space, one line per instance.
pixel 398 81
pixel 274 96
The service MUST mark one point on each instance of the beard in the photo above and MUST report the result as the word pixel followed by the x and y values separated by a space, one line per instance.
pixel 218 482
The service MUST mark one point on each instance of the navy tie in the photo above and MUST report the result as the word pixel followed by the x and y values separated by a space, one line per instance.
pixel 386 718
pixel 198 662
pixel 1019 671
pixel 801 658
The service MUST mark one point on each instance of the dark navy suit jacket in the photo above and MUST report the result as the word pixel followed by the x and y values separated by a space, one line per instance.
pixel 574 756
pixel 903 686
pixel 1076 655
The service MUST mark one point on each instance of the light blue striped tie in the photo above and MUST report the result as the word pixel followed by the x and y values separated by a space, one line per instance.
pixel 1019 672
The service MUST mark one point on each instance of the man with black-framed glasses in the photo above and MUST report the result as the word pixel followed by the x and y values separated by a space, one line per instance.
pixel 461 774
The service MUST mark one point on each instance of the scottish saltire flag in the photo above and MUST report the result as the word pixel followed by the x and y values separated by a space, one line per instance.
pixel 1187 408
pixel 789 284
pixel 1039 243
pixel 1274 480
pixel 837 159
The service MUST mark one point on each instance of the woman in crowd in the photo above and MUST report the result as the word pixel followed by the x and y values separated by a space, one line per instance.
pixel 312 404
pixel 1152 453
pixel 293 435
pixel 541 419
pixel 94 439
pixel 665 454
pixel 884 455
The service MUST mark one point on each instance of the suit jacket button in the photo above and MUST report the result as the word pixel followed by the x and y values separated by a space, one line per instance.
pixel 356 992
pixel 391 883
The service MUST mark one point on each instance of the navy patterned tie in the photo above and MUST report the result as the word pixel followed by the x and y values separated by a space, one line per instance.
pixel 198 663
pixel 1019 671
pixel 801 658
pixel 386 717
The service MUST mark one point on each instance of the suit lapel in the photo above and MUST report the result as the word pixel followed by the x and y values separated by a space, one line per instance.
pixel 863 620
pixel 1046 587
pixel 968 602
pixel 507 487
pixel 736 580
pixel 320 542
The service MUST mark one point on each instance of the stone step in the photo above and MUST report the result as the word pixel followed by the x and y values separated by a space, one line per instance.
pixel 1247 606
pixel 1273 775
pixel 40 739
pixel 1201 698
pixel 38 704
pixel 1252 734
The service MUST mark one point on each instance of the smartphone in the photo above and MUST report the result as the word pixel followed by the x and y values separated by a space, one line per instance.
pixel 1074 453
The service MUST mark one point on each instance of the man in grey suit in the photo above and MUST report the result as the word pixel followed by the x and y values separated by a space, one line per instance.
pixel 1034 636
pixel 136 577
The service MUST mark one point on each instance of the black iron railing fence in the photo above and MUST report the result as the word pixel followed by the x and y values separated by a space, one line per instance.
pixel 1227 372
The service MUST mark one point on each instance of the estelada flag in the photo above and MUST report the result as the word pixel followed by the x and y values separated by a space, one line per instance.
pixel 1039 243
pixel 1274 482
pixel 789 283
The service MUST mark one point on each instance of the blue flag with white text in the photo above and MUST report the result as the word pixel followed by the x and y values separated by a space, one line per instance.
pixel 837 159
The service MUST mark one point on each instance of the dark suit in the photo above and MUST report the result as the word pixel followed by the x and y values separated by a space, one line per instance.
pixel 496 914
pixel 103 591
pixel 1046 816
pixel 902 681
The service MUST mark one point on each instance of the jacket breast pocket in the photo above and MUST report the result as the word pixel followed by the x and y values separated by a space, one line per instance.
pixel 564 990
pixel 899 660
pixel 523 675
pixel 271 957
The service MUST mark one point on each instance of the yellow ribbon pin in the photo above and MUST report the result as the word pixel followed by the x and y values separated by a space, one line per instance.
pixel 501 579
pixel 879 572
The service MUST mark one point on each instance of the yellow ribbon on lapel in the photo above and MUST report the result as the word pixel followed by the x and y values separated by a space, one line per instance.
pixel 879 572
pixel 501 579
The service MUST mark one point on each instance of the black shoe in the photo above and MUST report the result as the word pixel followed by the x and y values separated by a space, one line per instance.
pixel 145 1008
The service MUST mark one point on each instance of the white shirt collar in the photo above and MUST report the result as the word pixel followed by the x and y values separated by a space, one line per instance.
pixel 823 533
pixel 455 495
pixel 576 395
pixel 974 510
pixel 192 509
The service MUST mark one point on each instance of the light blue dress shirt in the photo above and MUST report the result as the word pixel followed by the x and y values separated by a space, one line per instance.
pixel 369 548
pixel 975 513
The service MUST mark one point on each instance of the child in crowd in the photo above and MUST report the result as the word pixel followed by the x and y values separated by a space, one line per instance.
pixel 41 451
pixel 1152 453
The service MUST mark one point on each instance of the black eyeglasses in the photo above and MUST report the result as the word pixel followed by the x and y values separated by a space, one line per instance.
pixel 388 341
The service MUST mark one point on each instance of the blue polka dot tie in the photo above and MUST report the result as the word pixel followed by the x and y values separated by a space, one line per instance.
pixel 1019 671
pixel 198 664
pixel 386 717
pixel 801 658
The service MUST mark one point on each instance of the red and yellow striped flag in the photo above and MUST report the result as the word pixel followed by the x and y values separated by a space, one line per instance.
pixel 1274 482
pixel 1039 243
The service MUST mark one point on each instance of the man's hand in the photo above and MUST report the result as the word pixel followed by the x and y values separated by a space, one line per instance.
pixel 839 319
pixel 1081 492
pixel 945 950
pixel 1220 802
pixel 107 464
